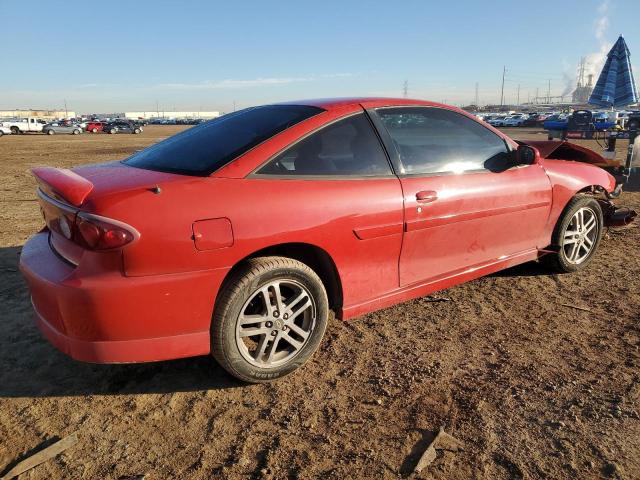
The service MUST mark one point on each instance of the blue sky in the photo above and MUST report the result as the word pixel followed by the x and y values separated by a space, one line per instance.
pixel 206 55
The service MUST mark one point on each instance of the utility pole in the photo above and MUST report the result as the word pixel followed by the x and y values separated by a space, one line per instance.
pixel 504 70
pixel 66 112
pixel 549 92
pixel 157 109
pixel 518 94
pixel 405 89
pixel 537 94
pixel 476 100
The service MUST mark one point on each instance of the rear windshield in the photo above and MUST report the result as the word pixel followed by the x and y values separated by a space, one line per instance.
pixel 205 148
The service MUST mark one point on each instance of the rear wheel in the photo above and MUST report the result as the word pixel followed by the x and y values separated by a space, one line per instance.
pixel 576 236
pixel 112 131
pixel 76 132
pixel 269 319
pixel 136 131
pixel 94 130
pixel 50 132
pixel 15 130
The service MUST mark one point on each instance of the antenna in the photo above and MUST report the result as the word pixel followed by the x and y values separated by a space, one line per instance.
pixel 477 102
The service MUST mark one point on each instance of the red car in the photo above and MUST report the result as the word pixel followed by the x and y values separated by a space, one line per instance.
pixel 237 237
pixel 94 127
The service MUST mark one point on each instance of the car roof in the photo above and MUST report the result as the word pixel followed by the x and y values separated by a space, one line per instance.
pixel 367 102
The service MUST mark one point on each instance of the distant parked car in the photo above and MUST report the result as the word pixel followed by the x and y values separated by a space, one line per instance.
pixel 54 128
pixel 94 127
pixel 122 126
pixel 497 121
pixel 514 121
pixel 5 131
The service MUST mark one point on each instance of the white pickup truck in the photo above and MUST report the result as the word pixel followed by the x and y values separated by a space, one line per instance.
pixel 23 125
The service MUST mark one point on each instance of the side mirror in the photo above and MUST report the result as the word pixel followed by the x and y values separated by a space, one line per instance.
pixel 526 155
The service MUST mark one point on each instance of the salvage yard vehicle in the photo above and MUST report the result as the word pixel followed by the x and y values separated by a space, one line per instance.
pixel 497 121
pixel 237 237
pixel 5 131
pixel 24 125
pixel 53 128
pixel 94 126
pixel 121 126
pixel 514 120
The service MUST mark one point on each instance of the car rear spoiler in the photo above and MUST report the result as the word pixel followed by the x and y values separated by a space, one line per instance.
pixel 63 184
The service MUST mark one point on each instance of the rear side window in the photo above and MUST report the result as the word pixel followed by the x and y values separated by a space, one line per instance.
pixel 435 140
pixel 347 147
pixel 205 148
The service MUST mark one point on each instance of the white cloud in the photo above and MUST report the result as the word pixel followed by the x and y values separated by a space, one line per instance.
pixel 249 83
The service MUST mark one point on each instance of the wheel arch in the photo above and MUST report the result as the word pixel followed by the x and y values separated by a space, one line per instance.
pixel 311 255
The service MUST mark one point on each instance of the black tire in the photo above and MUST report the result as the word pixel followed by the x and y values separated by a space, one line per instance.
pixel 76 132
pixel 560 261
pixel 51 132
pixel 94 130
pixel 136 131
pixel 15 130
pixel 238 290
pixel 1 133
pixel 112 131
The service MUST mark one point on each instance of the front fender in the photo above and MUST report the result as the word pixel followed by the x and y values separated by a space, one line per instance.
pixel 567 179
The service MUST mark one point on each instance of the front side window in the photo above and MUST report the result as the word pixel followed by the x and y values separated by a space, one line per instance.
pixel 348 147
pixel 207 147
pixel 435 140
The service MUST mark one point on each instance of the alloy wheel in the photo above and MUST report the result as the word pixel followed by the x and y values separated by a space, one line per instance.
pixel 580 236
pixel 275 323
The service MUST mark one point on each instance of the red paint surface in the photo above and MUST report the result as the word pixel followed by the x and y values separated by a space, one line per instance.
pixel 154 298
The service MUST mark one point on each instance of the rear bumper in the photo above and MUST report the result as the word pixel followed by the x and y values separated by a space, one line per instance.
pixel 125 351
pixel 109 318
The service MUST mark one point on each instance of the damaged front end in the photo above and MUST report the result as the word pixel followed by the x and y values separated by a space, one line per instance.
pixel 620 170
pixel 616 216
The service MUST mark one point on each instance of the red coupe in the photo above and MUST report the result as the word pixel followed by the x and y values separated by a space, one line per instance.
pixel 237 237
pixel 94 127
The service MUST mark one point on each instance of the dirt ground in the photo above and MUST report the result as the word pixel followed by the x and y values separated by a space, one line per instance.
pixel 533 387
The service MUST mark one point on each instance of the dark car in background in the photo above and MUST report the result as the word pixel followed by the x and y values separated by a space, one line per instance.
pixel 122 126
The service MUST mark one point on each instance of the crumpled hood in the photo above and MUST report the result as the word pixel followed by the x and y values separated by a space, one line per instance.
pixel 570 151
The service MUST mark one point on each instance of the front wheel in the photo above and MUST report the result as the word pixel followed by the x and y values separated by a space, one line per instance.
pixel 269 319
pixel 576 236
pixel 50 132
pixel 76 132
pixel 94 130
pixel 136 131
pixel 15 130
pixel 112 131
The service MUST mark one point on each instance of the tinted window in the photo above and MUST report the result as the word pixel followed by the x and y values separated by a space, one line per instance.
pixel 434 140
pixel 205 148
pixel 346 147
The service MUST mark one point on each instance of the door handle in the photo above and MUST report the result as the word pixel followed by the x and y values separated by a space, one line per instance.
pixel 426 196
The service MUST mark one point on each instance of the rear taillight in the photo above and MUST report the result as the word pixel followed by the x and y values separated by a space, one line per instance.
pixel 102 234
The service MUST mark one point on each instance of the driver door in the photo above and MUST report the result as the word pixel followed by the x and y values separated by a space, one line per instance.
pixel 466 204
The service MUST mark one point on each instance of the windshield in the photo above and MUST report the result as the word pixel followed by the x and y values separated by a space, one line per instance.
pixel 203 149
